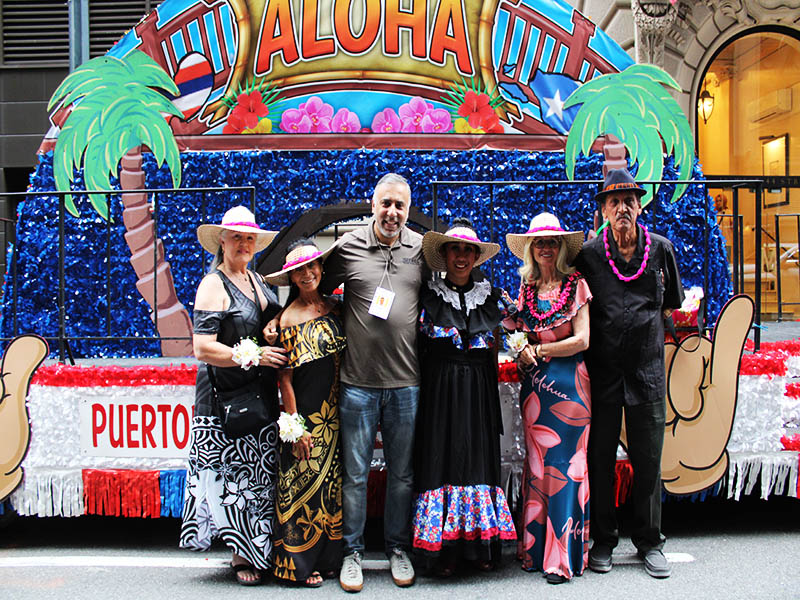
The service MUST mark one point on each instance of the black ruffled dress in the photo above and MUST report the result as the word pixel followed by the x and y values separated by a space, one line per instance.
pixel 457 451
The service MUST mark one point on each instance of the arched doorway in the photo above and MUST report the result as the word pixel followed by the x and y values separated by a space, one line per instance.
pixel 748 125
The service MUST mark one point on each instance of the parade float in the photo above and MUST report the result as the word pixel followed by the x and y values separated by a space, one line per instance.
pixel 299 108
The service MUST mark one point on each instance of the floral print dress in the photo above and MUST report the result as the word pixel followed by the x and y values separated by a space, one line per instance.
pixel 555 400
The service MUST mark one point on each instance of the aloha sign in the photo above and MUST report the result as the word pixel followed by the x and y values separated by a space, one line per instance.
pixel 371 69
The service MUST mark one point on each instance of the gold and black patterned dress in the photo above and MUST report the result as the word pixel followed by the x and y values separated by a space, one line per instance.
pixel 308 536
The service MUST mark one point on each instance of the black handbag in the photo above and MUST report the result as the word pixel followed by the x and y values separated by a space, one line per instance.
pixel 243 411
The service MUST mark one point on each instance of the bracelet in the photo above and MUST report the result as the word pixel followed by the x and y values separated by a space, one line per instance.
pixel 537 351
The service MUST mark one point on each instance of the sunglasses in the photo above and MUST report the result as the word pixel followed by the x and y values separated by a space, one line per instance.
pixel 541 243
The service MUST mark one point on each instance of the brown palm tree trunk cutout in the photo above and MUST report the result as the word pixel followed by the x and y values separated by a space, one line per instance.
pixel 173 319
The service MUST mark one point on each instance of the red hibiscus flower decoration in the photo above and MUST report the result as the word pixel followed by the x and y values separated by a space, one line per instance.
pixel 250 108
pixel 476 110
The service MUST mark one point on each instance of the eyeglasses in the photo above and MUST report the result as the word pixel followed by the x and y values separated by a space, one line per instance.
pixel 540 243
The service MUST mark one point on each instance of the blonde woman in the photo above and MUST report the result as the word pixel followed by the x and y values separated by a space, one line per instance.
pixel 554 398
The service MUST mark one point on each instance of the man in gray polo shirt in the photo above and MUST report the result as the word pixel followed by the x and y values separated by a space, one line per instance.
pixel 382 268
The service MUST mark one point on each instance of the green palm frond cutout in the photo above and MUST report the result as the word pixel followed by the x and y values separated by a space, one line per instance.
pixel 117 106
pixel 634 106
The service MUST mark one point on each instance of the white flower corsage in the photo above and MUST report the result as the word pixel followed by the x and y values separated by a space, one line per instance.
pixel 517 342
pixel 291 427
pixel 247 353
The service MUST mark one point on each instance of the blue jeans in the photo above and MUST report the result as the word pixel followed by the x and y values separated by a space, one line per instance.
pixel 360 411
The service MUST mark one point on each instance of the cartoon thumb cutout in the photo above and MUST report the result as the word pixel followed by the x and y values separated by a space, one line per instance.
pixel 21 359
pixel 702 383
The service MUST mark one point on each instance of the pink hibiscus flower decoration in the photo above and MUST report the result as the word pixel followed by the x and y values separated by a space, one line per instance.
pixel 345 121
pixel 437 120
pixel 539 437
pixel 295 121
pixel 319 113
pixel 386 121
pixel 578 470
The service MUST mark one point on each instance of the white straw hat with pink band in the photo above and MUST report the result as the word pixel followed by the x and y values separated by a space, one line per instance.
pixel 433 241
pixel 296 258
pixel 238 218
pixel 545 225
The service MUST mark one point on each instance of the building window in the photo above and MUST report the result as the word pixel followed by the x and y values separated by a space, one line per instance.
pixel 752 106
pixel 37 33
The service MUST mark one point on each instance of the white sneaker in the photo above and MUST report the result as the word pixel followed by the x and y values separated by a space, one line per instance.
pixel 402 569
pixel 350 577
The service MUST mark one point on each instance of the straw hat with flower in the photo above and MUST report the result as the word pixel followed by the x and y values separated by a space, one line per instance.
pixel 545 225
pixel 460 231
pixel 238 219
pixel 297 257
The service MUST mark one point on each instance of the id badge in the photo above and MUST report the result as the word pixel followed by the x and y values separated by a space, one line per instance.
pixel 381 303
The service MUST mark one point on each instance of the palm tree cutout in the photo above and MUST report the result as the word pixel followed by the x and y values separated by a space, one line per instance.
pixel 635 107
pixel 117 109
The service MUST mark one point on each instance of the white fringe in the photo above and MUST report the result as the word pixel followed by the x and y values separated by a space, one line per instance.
pixel 49 493
pixel 778 472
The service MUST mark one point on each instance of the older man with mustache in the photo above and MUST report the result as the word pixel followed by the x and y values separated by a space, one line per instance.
pixel 382 267
pixel 635 282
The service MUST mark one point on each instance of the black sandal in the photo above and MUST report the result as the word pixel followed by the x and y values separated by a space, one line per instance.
pixel 315 584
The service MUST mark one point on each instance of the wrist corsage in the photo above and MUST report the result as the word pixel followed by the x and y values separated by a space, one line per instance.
pixel 247 353
pixel 291 427
pixel 517 342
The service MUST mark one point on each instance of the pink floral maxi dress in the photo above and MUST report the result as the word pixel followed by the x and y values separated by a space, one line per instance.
pixel 555 400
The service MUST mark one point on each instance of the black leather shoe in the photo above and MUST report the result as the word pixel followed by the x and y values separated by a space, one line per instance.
pixel 655 563
pixel 600 558
pixel 555 578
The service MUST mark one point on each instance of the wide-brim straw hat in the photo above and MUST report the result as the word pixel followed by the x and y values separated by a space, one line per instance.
pixel 545 225
pixel 433 241
pixel 238 218
pixel 617 180
pixel 295 259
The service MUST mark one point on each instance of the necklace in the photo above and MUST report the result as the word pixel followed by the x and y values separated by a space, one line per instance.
pixel 531 293
pixel 642 267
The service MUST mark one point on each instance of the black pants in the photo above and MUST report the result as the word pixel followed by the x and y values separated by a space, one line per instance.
pixel 644 427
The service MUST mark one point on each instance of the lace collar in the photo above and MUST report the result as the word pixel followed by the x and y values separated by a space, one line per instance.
pixel 472 298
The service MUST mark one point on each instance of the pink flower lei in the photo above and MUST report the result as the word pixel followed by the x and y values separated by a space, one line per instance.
pixel 531 294
pixel 642 267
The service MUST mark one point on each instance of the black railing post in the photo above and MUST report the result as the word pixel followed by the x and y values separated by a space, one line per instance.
pixel 757 333
pixel 491 228
pixel 705 254
pixel 155 260
pixel 108 266
pixel 61 292
pixel 778 265
pixel 737 289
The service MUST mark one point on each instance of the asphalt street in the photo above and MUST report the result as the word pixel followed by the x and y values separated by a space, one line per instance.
pixel 718 549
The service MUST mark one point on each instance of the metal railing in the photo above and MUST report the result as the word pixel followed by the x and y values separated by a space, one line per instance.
pixel 652 215
pixel 63 337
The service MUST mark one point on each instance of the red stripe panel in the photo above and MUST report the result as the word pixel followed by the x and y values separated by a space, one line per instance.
pixel 121 493
pixel 79 376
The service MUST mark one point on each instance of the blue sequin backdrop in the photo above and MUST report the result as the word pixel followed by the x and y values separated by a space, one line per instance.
pixel 288 184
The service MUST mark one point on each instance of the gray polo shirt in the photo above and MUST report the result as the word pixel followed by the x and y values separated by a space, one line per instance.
pixel 381 353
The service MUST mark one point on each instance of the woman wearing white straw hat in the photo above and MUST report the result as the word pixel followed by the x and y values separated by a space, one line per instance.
pixel 231 474
pixel 461 510
pixel 554 398
pixel 308 536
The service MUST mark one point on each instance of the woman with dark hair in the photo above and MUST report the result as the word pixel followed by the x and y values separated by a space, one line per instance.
pixel 230 480
pixel 308 537
pixel 461 511
pixel 555 399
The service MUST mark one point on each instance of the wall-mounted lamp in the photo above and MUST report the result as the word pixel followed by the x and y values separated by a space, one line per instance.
pixel 705 104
